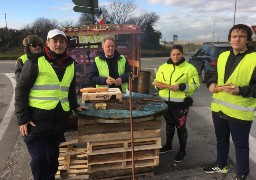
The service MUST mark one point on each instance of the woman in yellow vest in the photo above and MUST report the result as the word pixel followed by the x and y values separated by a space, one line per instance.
pixel 176 80
pixel 44 95
pixel 234 100
pixel 33 45
pixel 110 69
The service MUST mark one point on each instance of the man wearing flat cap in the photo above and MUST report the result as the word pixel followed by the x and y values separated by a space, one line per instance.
pixel 44 95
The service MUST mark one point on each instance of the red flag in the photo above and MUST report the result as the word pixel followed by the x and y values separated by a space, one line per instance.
pixel 100 18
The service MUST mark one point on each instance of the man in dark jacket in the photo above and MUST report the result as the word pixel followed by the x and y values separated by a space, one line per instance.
pixel 234 101
pixel 110 68
pixel 44 95
pixel 33 46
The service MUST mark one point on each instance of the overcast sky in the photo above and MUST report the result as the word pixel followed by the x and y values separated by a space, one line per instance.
pixel 191 20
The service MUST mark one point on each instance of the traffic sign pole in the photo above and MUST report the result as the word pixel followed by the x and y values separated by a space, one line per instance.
pixel 86 6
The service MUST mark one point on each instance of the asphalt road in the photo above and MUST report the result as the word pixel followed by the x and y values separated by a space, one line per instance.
pixel 201 147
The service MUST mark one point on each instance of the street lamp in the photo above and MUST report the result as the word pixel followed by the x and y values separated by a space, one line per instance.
pixel 234 14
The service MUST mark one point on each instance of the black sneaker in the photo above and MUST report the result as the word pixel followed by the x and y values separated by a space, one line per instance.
pixel 215 169
pixel 165 148
pixel 179 157
pixel 241 177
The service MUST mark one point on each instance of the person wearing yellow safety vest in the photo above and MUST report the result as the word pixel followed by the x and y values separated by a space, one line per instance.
pixel 176 81
pixel 44 95
pixel 110 69
pixel 33 45
pixel 234 100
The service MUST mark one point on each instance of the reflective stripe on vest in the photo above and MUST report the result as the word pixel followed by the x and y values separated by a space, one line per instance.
pixel 48 91
pixel 104 71
pixel 235 106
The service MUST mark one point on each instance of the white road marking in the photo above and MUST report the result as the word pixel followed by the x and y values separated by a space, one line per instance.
pixel 205 112
pixel 10 111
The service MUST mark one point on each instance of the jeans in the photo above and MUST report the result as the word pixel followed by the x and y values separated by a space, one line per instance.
pixel 44 152
pixel 239 131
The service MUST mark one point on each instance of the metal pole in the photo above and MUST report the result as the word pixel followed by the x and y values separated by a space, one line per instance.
pixel 213 31
pixel 131 124
pixel 234 15
pixel 5 21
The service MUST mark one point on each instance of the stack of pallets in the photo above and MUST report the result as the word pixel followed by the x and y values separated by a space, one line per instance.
pixel 109 147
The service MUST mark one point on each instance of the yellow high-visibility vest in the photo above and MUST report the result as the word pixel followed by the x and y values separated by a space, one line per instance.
pixel 235 106
pixel 48 90
pixel 104 71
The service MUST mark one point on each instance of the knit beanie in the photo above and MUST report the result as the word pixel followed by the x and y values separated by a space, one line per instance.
pixel 31 39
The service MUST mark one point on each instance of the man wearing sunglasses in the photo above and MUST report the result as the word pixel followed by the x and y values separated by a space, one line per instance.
pixel 33 45
pixel 44 95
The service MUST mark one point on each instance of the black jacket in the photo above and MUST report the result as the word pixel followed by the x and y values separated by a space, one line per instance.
pixel 113 70
pixel 47 122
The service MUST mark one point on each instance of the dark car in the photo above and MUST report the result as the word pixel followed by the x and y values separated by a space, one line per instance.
pixel 205 59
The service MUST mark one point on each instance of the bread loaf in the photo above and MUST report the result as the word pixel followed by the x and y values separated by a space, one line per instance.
pixel 94 90
pixel 220 88
pixel 161 85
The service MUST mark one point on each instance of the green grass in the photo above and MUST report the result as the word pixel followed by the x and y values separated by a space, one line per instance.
pixel 9 56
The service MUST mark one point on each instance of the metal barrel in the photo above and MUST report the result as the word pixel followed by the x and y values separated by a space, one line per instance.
pixel 135 84
pixel 144 82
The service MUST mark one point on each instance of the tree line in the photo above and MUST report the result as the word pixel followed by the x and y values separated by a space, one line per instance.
pixel 115 12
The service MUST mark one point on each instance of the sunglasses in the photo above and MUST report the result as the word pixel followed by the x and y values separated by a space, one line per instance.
pixel 35 45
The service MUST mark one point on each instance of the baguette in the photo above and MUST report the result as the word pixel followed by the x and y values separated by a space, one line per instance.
pixel 94 90
pixel 220 88
pixel 161 85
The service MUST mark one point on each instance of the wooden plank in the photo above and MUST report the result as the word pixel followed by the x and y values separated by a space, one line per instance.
pixel 74 141
pixel 116 127
pixel 118 157
pixel 61 162
pixel 116 166
pixel 121 149
pixel 154 133
pixel 75 167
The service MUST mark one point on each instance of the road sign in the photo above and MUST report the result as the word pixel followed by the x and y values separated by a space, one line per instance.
pixel 86 3
pixel 85 9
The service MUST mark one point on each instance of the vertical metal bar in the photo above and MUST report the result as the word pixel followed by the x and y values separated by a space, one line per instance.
pixel 131 124
pixel 234 15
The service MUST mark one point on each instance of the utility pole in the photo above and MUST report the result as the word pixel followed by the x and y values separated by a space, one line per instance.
pixel 5 21
pixel 234 22
pixel 213 31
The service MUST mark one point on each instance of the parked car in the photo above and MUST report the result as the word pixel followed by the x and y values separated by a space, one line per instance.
pixel 205 59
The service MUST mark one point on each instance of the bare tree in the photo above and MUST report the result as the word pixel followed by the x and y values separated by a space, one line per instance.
pixel 41 27
pixel 120 11
pixel 145 20
pixel 85 19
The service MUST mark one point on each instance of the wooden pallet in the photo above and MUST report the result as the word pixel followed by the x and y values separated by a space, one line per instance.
pixel 73 162
pixel 113 94
pixel 104 156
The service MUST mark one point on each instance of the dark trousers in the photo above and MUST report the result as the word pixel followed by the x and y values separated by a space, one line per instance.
pixel 176 118
pixel 44 152
pixel 240 131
